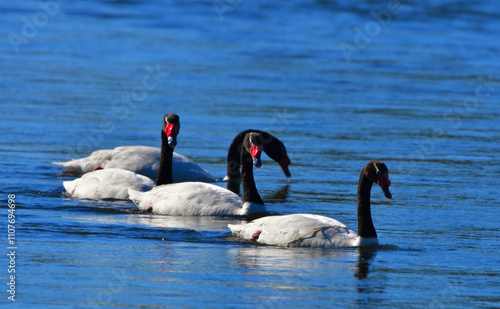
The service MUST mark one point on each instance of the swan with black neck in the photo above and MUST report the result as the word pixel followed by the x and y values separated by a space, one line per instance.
pixel 144 160
pixel 204 199
pixel 113 183
pixel 310 230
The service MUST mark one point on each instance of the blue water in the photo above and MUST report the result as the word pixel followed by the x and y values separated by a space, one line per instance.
pixel 340 83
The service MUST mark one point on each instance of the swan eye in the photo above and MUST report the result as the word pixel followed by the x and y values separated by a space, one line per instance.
pixel 377 169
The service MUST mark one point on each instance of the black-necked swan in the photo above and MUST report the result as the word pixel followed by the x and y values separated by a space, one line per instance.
pixel 273 147
pixel 204 199
pixel 114 182
pixel 143 160
pixel 309 230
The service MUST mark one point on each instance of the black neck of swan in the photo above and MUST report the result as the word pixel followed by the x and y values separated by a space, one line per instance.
pixel 165 171
pixel 250 193
pixel 233 156
pixel 365 223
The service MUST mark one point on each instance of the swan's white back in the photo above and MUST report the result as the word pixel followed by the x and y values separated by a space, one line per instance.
pixel 107 183
pixel 185 169
pixel 142 160
pixel 301 230
pixel 193 199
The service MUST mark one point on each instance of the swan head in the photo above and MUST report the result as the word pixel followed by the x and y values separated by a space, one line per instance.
pixel 171 126
pixel 378 172
pixel 254 143
pixel 276 150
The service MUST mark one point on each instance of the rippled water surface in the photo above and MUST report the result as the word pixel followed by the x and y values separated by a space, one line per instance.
pixel 340 83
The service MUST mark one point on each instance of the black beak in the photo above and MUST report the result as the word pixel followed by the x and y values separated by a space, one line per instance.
pixel 285 170
pixel 387 193
pixel 284 163
pixel 257 162
pixel 172 141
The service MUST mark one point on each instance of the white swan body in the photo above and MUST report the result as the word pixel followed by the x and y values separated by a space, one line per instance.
pixel 142 160
pixel 300 230
pixel 193 199
pixel 107 183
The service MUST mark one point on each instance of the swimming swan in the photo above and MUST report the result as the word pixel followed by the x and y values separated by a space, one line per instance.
pixel 204 199
pixel 115 182
pixel 309 230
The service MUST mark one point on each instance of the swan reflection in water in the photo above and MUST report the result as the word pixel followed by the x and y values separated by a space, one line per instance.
pixel 269 259
pixel 162 222
pixel 276 196
pixel 365 254
pixel 279 271
pixel 279 196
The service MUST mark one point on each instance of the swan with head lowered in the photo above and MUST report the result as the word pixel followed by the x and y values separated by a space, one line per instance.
pixel 272 146
pixel 200 198
pixel 110 183
pixel 113 183
pixel 309 230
